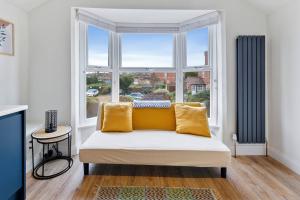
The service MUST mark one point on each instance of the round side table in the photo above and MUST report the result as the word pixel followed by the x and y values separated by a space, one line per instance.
pixel 46 139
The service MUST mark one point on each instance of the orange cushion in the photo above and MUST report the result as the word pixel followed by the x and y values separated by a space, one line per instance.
pixel 117 117
pixel 157 118
pixel 192 120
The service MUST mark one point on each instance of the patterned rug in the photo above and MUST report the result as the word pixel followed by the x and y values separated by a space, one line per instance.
pixel 154 193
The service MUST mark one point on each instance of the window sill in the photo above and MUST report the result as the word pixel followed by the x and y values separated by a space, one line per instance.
pixel 214 126
pixel 88 123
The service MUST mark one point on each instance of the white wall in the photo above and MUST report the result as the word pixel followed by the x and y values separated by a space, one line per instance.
pixel 50 48
pixel 14 69
pixel 284 108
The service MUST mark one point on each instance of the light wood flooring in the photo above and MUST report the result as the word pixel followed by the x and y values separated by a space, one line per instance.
pixel 248 177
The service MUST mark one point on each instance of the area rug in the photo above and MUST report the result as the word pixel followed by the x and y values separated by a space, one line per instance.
pixel 154 193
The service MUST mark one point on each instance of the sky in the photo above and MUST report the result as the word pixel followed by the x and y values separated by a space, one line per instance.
pixel 196 44
pixel 146 50
pixel 97 46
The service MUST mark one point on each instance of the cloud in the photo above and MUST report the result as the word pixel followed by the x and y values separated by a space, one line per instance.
pixel 98 59
pixel 137 60
pixel 195 59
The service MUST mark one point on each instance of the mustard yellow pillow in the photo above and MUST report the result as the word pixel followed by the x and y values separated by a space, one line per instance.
pixel 157 118
pixel 192 120
pixel 117 117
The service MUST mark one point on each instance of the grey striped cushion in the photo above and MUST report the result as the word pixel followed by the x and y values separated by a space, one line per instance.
pixel 151 104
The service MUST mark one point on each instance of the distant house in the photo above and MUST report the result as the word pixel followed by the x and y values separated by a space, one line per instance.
pixel 169 79
pixel 195 84
pixel 200 81
pixel 148 80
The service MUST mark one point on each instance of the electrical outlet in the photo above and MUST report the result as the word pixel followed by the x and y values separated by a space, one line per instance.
pixel 234 137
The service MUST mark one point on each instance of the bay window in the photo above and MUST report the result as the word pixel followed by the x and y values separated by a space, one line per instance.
pixel 162 63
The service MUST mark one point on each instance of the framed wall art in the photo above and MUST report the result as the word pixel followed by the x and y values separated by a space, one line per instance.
pixel 6 38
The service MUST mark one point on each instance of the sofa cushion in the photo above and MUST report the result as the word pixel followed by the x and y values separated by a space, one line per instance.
pixel 117 117
pixel 192 120
pixel 150 118
pixel 145 147
pixel 156 118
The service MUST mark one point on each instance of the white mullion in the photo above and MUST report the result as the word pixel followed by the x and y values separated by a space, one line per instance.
pixel 176 64
pixel 179 54
pixel 210 62
pixel 197 69
pixel 146 69
pixel 174 57
pixel 115 67
pixel 82 71
pixel 213 75
pixel 183 50
pixel 119 50
pixel 183 62
pixel 110 50
pixel 200 66
pixel 98 69
pixel 215 72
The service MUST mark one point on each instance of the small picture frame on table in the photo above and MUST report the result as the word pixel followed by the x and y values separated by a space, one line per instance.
pixel 6 38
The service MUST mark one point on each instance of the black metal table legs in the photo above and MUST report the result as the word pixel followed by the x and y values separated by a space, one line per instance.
pixel 47 158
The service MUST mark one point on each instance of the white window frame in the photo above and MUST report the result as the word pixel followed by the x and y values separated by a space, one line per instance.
pixel 179 62
pixel 211 67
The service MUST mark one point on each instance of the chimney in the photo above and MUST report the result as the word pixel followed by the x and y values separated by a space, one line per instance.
pixel 206 58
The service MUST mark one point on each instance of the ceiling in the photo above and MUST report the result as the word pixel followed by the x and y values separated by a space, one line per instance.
pixel 149 16
pixel 27 5
pixel 269 6
pixel 265 5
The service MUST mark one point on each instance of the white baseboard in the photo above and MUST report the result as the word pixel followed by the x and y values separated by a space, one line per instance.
pixel 287 161
pixel 28 165
pixel 249 149
pixel 74 150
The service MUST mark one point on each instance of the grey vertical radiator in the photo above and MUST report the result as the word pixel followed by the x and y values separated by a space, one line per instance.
pixel 251 89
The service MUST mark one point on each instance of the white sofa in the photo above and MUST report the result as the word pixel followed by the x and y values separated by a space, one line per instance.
pixel 154 147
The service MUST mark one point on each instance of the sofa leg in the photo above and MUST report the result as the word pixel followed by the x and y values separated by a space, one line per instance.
pixel 86 168
pixel 223 172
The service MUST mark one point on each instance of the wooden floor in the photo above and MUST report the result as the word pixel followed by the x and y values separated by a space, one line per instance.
pixel 249 177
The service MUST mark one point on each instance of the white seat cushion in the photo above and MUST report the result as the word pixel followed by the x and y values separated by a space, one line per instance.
pixel 154 148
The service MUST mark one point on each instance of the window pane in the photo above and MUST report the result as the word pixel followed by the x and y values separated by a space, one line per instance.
pixel 197 47
pixel 147 50
pixel 196 87
pixel 98 40
pixel 98 89
pixel 147 86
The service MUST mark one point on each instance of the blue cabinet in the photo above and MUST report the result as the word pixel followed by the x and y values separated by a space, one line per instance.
pixel 12 156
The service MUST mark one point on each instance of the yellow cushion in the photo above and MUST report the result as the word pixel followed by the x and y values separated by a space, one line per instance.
pixel 157 118
pixel 117 117
pixel 192 120
pixel 102 114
